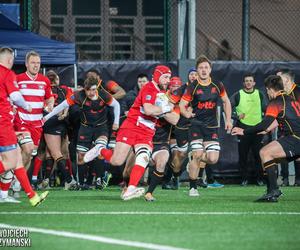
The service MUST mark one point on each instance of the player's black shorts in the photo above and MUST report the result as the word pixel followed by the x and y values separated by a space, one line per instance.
pixel 202 132
pixel 181 136
pixel 55 127
pixel 160 146
pixel 290 145
pixel 88 134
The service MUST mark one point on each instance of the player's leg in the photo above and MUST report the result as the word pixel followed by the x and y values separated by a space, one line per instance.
pixel 160 157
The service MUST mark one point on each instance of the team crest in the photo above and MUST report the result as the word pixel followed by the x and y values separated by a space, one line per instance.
pixel 213 90
pixel 199 92
pixel 148 97
pixel 23 86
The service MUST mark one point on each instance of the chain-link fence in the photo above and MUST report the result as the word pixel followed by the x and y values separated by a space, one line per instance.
pixel 274 29
pixel 148 29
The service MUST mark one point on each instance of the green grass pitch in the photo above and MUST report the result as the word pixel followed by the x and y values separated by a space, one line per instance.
pixel 225 218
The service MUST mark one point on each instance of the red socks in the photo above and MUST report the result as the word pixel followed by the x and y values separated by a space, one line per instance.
pixel 2 170
pixel 36 166
pixel 4 186
pixel 136 174
pixel 106 154
pixel 22 177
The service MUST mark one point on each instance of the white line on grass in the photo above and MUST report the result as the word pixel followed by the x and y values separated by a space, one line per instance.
pixel 94 238
pixel 142 213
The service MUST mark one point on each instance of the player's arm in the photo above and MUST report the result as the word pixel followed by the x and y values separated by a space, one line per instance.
pixel 19 100
pixel 59 108
pixel 15 95
pixel 49 103
pixel 70 100
pixel 186 98
pixel 227 111
pixel 116 107
pixel 184 110
pixel 153 110
pixel 117 91
pixel 173 117
pixel 272 112
pixel 49 99
pixel 265 125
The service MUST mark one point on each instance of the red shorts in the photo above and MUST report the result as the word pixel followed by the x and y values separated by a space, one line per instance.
pixel 7 135
pixel 134 136
pixel 35 133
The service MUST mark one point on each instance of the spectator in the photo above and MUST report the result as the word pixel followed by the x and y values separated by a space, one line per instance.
pixel 248 105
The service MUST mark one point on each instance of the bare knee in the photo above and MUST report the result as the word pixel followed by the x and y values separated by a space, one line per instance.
pixel 161 165
pixel 263 153
pixel 212 159
pixel 116 160
pixel 9 163
pixel 27 150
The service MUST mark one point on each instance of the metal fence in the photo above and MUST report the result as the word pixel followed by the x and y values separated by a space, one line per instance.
pixel 148 29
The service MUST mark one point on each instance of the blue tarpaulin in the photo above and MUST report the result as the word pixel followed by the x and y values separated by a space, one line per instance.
pixel 52 52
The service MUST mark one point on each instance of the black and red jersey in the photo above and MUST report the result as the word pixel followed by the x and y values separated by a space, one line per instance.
pixel 175 97
pixel 295 92
pixel 60 93
pixel 110 86
pixel 287 112
pixel 203 99
pixel 162 132
pixel 93 112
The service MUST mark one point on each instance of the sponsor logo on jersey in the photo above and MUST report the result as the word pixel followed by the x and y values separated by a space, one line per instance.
pixel 206 105
pixel 148 97
pixel 23 86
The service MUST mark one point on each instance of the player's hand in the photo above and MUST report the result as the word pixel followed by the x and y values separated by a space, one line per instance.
pixel 228 126
pixel 237 131
pixel 61 116
pixel 43 121
pixel 49 108
pixel 189 114
pixel 161 100
pixel 115 127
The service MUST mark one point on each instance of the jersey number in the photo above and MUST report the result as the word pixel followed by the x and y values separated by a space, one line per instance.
pixel 296 106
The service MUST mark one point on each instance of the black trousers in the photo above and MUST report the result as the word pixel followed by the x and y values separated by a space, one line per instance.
pixel 247 142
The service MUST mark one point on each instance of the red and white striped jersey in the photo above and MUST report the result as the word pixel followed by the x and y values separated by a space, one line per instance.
pixel 35 92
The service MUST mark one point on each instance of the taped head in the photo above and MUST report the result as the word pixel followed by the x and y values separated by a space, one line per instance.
pixel 159 71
